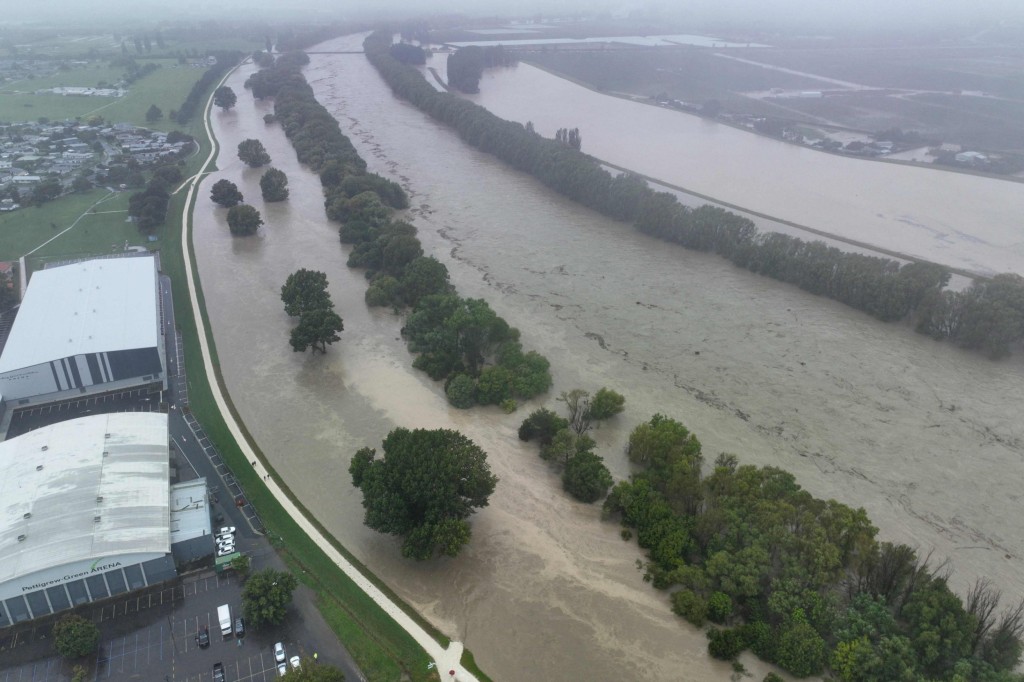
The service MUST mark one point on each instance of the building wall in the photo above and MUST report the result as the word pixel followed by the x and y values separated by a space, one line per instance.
pixel 64 587
pixel 91 373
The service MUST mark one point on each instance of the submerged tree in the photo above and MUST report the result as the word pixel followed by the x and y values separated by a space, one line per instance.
pixel 423 489
pixel 253 153
pixel 224 97
pixel 225 193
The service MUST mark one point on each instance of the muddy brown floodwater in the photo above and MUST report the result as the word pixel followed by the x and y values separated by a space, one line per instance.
pixel 924 436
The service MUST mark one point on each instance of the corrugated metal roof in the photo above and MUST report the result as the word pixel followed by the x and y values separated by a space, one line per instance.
pixel 113 467
pixel 95 306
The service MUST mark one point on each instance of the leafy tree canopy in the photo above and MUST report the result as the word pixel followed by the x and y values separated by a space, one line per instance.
pixel 274 185
pixel 252 153
pixel 244 220
pixel 266 596
pixel 316 329
pixel 305 290
pixel 225 193
pixel 424 488
pixel 224 97
pixel 74 636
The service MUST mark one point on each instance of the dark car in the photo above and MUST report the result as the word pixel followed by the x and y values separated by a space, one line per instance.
pixel 239 627
pixel 203 638
pixel 218 672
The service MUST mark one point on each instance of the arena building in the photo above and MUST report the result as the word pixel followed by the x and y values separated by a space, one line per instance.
pixel 85 328
pixel 86 513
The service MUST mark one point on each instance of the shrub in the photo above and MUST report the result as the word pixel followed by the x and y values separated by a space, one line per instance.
pixel 74 636
pixel 725 644
pixel 691 606
pixel 801 650
pixel 586 477
pixel 719 607
pixel 461 391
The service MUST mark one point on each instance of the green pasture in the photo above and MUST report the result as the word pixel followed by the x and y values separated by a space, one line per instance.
pixel 23 230
pixel 86 76
pixel 166 87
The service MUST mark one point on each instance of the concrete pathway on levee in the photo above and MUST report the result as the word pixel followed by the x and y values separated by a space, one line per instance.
pixel 448 661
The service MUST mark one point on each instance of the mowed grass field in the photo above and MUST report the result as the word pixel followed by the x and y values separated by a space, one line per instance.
pixel 103 230
pixel 166 87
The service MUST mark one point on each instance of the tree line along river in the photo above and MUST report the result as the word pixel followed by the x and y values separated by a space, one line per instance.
pixel 924 436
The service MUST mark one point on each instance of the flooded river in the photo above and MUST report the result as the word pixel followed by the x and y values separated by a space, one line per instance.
pixel 926 437
pixel 960 220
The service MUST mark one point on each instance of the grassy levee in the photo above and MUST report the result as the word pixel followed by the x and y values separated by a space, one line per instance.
pixel 379 645
pixel 469 663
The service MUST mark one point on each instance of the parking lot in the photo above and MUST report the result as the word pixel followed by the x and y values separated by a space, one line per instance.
pixel 154 637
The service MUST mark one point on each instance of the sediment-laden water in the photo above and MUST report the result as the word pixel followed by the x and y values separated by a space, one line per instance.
pixel 926 437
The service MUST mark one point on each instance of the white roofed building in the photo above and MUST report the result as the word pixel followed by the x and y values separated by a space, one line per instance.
pixel 85 513
pixel 85 328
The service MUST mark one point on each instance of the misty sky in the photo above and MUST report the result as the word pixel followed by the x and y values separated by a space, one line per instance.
pixel 887 14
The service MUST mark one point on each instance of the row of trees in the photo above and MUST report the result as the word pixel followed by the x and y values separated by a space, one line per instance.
pixel 564 441
pixel 476 352
pixel 459 340
pixel 409 54
pixel 800 581
pixel 305 296
pixel 225 60
pixel 243 220
pixel 878 286
pixel 467 64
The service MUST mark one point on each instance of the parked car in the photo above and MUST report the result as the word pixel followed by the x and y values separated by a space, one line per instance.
pixel 279 652
pixel 296 663
pixel 203 638
pixel 218 672
pixel 239 627
pixel 282 669
pixel 224 551
pixel 226 530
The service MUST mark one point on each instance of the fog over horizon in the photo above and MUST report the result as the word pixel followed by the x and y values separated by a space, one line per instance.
pixel 885 15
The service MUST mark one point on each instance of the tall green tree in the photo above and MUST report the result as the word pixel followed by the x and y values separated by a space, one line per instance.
pixel 225 193
pixel 586 477
pixel 305 290
pixel 252 153
pixel 244 220
pixel 266 596
pixel 606 403
pixel 154 114
pixel 423 489
pixel 316 329
pixel 274 185
pixel 224 97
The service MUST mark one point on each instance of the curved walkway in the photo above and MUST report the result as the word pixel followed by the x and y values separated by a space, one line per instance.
pixel 446 660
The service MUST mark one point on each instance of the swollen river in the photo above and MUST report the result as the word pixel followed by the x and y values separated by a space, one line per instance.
pixel 927 438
